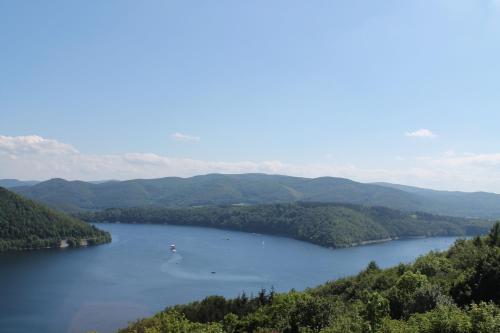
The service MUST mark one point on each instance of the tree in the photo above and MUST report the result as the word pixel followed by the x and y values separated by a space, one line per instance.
pixel 409 295
pixel 485 318
pixel 230 323
pixel 494 235
pixel 377 309
pixel 480 283
pixel 443 319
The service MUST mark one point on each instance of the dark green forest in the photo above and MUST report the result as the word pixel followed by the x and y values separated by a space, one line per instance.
pixel 330 225
pixel 25 224
pixel 456 291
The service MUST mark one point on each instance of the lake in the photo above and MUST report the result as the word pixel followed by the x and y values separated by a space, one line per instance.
pixel 104 287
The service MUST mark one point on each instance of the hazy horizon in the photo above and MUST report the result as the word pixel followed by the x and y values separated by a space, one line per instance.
pixel 99 181
pixel 387 91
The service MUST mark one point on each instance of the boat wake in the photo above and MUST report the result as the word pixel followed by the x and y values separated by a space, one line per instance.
pixel 173 267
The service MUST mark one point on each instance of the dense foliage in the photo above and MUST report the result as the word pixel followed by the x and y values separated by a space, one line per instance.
pixel 456 291
pixel 25 224
pixel 332 225
pixel 217 189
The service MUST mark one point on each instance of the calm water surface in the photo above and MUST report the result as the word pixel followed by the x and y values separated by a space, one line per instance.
pixel 102 288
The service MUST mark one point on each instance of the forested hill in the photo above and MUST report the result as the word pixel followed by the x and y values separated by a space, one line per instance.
pixel 25 224
pixel 455 203
pixel 220 189
pixel 331 225
pixel 451 292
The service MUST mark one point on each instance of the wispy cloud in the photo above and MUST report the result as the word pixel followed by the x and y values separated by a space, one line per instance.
pixel 421 133
pixel 451 159
pixel 33 144
pixel 184 137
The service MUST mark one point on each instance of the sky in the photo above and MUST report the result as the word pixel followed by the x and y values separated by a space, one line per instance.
pixel 398 91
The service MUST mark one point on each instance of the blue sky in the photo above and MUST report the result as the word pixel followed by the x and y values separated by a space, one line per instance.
pixel 308 88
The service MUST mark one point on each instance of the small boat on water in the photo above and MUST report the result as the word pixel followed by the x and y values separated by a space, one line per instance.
pixel 172 248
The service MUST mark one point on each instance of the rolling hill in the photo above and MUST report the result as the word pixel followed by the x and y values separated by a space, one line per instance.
pixel 219 189
pixel 25 224
pixel 457 203
pixel 9 183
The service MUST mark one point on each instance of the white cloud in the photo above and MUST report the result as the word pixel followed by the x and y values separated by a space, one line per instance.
pixel 421 133
pixel 184 137
pixel 35 157
pixel 33 144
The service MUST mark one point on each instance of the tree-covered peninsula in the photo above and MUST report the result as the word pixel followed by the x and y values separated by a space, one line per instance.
pixel 325 224
pixel 25 224
pixel 456 291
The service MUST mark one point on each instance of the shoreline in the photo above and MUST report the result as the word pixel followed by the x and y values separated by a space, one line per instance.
pixel 353 244
pixel 63 244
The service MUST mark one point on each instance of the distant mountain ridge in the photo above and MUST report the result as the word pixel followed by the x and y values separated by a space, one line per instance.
pixel 9 183
pixel 456 202
pixel 227 189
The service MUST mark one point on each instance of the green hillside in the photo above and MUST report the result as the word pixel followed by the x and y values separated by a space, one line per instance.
pixel 450 292
pixel 332 225
pixel 218 189
pixel 455 202
pixel 25 224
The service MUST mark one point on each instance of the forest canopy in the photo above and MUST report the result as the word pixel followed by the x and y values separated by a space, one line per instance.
pixel 25 224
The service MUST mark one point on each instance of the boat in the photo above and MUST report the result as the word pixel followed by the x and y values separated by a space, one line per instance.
pixel 172 248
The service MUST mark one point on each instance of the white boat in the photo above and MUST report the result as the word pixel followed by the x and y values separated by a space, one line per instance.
pixel 172 248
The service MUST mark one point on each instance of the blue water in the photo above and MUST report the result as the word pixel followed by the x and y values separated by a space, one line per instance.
pixel 104 287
